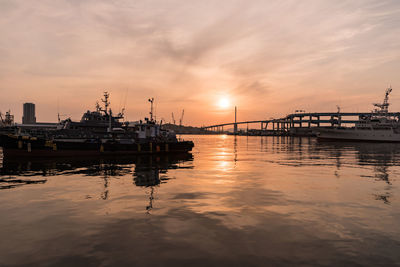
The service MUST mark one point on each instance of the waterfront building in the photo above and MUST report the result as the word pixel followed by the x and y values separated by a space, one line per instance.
pixel 29 114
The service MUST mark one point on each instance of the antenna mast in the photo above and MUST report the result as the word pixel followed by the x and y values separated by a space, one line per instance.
pixel 121 114
pixel 151 100
pixel 106 102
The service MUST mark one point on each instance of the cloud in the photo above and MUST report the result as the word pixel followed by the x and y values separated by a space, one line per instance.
pixel 186 53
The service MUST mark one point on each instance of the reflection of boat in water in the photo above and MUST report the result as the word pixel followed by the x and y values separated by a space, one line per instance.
pixel 367 153
pixel 99 132
pixel 147 168
pixel 378 127
pixel 382 157
pixel 376 161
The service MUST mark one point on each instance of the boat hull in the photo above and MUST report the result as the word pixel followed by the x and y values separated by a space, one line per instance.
pixel 364 135
pixel 33 147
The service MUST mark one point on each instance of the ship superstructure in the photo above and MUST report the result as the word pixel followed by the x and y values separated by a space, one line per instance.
pixel 6 120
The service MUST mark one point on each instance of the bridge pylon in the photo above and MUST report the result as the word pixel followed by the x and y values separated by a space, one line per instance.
pixel 235 125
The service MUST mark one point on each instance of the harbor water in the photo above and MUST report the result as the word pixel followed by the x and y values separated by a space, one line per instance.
pixel 234 201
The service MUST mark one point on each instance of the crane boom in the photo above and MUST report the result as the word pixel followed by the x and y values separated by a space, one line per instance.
pixel 181 119
pixel 383 108
pixel 173 118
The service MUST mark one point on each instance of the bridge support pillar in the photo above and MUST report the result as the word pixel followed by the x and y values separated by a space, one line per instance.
pixel 235 125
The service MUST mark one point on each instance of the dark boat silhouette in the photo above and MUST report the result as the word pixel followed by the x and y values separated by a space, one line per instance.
pixel 99 132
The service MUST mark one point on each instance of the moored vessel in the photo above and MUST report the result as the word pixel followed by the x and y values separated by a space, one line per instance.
pixel 99 132
pixel 379 126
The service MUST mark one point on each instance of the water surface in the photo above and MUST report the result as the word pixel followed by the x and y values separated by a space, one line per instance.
pixel 239 201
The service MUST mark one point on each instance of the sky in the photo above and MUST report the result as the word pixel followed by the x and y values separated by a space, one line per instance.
pixel 269 58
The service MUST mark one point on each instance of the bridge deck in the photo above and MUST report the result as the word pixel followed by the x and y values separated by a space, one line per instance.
pixel 291 118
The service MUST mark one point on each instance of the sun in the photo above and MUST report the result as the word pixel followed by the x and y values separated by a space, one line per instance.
pixel 223 102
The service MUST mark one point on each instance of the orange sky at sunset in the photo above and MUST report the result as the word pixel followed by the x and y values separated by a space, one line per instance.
pixel 267 57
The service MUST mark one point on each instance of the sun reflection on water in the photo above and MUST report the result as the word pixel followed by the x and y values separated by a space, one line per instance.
pixel 270 193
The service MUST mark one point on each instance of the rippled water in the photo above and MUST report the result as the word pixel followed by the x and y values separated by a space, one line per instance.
pixel 234 201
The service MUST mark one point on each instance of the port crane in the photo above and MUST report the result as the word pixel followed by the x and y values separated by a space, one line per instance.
pixel 383 108
pixel 181 119
pixel 173 118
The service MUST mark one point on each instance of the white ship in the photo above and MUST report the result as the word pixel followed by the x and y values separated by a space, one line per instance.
pixel 379 126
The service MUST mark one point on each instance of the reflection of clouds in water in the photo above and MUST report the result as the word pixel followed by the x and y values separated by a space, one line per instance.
pixel 279 204
pixel 186 236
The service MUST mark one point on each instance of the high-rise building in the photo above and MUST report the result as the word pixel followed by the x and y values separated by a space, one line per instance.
pixel 29 114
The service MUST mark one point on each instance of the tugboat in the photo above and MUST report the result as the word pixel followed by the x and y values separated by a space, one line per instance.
pixel 379 126
pixel 97 133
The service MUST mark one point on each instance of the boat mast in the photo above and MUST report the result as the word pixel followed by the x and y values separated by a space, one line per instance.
pixel 109 121
pixel 106 102
pixel 151 100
